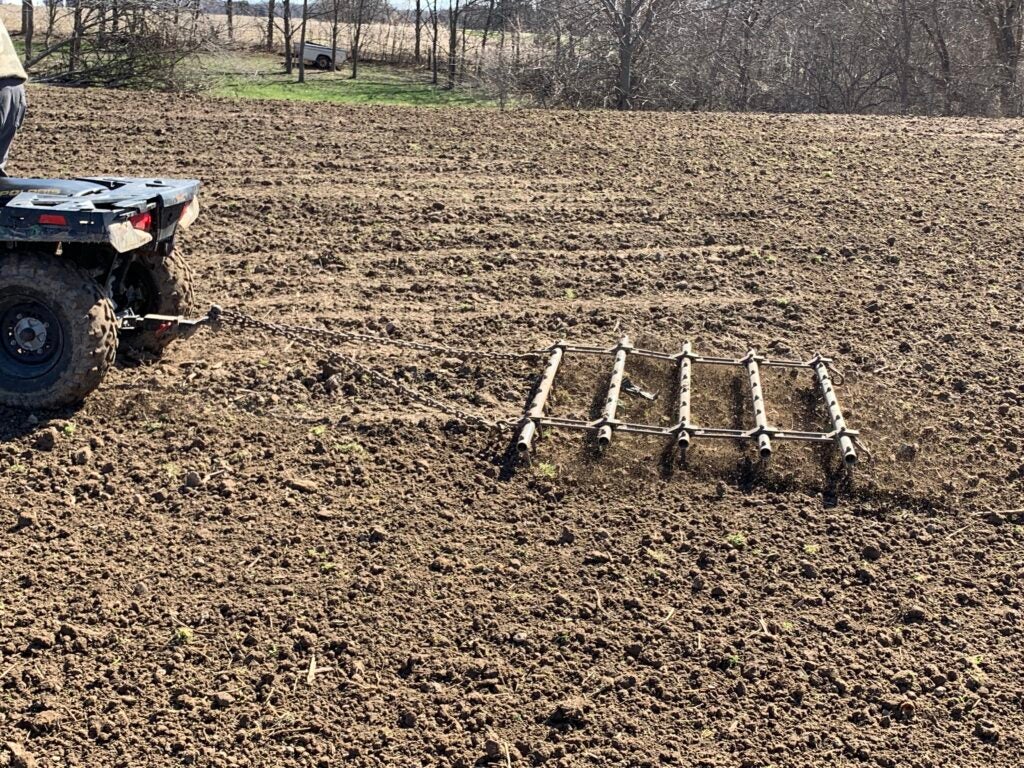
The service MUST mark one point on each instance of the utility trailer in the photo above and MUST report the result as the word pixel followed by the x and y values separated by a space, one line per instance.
pixel 320 56
pixel 88 266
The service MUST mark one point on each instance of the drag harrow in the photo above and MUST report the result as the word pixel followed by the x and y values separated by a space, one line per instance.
pixel 684 432
pixel 534 419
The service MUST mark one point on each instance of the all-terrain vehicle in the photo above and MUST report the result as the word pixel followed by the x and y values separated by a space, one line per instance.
pixel 87 265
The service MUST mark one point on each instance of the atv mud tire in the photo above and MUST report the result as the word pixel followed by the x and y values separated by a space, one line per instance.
pixel 155 285
pixel 57 331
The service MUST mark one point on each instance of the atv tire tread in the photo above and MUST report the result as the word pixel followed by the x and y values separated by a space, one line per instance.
pixel 172 277
pixel 91 332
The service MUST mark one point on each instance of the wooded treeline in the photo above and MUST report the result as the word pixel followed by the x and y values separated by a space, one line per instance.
pixel 937 57
pixel 940 57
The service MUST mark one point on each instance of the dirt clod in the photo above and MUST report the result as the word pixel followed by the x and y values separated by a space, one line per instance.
pixel 18 755
pixel 47 439
pixel 986 730
pixel 915 614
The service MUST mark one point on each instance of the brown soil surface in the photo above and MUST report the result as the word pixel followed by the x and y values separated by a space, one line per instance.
pixel 207 526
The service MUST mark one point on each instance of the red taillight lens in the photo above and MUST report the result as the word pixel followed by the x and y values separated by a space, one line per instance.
pixel 143 221
pixel 53 220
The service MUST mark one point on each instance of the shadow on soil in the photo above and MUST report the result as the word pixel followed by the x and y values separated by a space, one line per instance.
pixel 16 423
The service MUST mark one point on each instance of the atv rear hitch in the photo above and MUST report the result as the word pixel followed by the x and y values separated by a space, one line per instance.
pixel 174 326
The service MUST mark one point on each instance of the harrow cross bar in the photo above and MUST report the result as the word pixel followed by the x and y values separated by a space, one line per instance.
pixel 685 431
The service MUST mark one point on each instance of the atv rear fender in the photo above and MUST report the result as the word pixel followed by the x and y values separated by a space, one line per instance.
pixel 125 213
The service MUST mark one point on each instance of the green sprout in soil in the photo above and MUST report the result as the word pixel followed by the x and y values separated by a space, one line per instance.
pixel 545 469
pixel 811 549
pixel 736 540
pixel 183 636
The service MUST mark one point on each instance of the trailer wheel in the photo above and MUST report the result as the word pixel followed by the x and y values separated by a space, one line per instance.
pixel 323 61
pixel 57 330
pixel 155 284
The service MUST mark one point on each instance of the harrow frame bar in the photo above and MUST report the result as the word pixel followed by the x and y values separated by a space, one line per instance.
pixel 684 431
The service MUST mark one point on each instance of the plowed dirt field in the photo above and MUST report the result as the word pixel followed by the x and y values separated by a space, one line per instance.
pixel 241 555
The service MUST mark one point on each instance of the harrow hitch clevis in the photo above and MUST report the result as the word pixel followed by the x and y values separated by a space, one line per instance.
pixel 171 326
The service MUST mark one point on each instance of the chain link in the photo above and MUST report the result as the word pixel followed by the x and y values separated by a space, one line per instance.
pixel 319 338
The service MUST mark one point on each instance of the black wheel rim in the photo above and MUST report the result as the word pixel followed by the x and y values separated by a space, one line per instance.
pixel 31 336
pixel 138 293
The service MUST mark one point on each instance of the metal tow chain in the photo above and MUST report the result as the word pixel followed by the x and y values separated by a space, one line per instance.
pixel 319 338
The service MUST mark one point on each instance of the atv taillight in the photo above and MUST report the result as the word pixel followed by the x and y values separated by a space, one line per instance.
pixel 143 221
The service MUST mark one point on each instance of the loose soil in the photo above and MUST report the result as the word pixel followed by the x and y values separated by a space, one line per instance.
pixel 241 556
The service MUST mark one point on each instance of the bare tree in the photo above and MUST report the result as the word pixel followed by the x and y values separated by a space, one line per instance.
pixel 359 14
pixel 1005 19
pixel 631 22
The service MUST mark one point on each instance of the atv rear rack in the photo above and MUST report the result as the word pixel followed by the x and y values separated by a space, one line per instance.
pixel 684 432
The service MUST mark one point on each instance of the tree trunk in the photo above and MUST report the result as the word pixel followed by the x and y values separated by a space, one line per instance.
pixel 417 55
pixel 195 20
pixel 270 26
pixel 51 18
pixel 938 41
pixel 335 25
pixel 747 54
pixel 1008 29
pixel 302 42
pixel 625 84
pixel 357 38
pixel 453 42
pixel 903 68
pixel 433 42
pixel 76 39
pixel 487 27
pixel 27 25
pixel 462 56
pixel 286 12
pixel 230 10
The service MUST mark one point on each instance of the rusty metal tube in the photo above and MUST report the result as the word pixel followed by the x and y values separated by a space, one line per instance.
pixel 611 403
pixel 764 442
pixel 846 448
pixel 535 408
pixel 685 375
